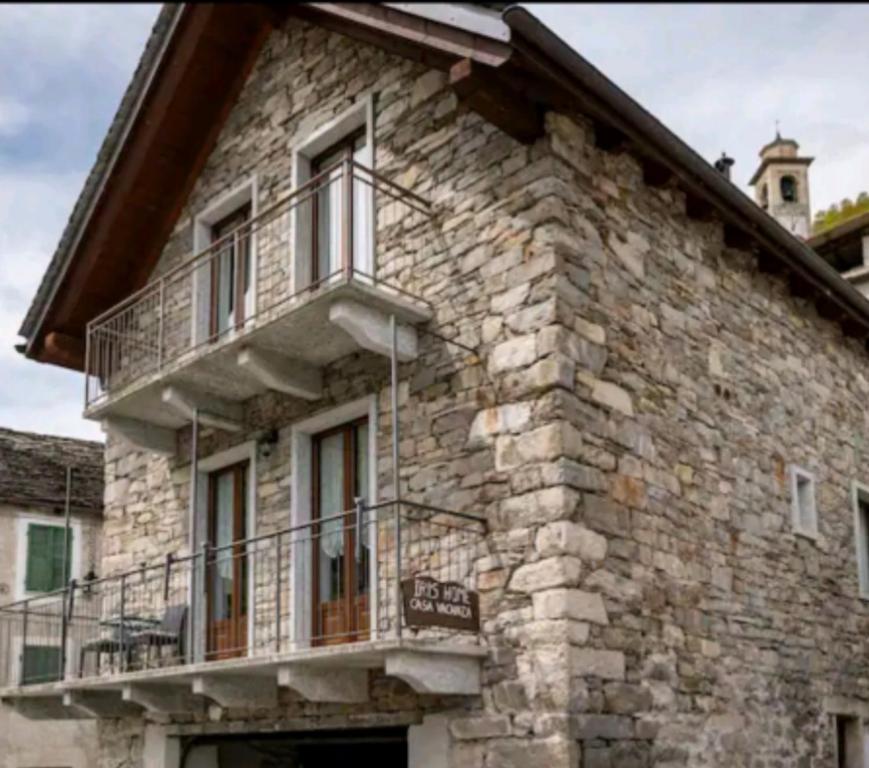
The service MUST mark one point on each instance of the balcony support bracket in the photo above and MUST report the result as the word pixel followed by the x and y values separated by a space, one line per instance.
pixel 213 411
pixel 281 373
pixel 237 691
pixel 162 699
pixel 326 684
pixel 436 673
pixel 141 434
pixel 100 704
pixel 45 708
pixel 370 329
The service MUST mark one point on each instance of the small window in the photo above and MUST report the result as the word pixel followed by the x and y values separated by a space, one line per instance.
pixel 41 664
pixel 788 186
pixel 47 569
pixel 804 511
pixel 764 197
pixel 861 534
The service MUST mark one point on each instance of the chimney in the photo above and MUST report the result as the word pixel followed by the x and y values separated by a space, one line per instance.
pixel 723 165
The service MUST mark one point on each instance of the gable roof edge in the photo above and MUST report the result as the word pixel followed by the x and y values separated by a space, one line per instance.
pixel 109 151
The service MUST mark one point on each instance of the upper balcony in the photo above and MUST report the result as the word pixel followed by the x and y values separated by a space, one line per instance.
pixel 233 624
pixel 273 298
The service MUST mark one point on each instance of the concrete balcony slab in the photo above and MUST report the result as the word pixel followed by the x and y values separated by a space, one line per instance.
pixel 281 349
pixel 335 673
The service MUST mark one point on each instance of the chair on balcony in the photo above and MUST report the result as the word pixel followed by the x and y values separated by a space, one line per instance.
pixel 170 633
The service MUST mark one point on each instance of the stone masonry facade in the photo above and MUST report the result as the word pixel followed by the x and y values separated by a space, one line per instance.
pixel 626 428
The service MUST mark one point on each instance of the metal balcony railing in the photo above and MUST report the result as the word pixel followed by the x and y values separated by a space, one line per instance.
pixel 346 222
pixel 180 611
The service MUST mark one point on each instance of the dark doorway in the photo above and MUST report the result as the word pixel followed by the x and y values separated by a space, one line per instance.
pixel 383 747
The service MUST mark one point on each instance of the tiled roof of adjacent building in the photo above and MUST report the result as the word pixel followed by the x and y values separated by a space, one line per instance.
pixel 33 471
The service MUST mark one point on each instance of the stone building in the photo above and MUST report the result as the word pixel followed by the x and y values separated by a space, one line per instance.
pixel 400 317
pixel 33 502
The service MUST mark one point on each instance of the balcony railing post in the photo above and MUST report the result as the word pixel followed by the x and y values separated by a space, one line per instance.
pixel 396 473
pixel 347 224
pixel 66 615
pixel 24 621
pixel 278 574
pixel 160 325
pixel 122 635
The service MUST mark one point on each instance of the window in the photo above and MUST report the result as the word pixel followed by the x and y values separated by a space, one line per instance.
pixel 321 223
pixel 46 568
pixel 230 271
pixel 804 512
pixel 788 187
pixel 224 281
pixel 41 664
pixel 764 197
pixel 860 500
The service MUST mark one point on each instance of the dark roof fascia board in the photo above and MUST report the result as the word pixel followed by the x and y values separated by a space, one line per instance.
pixel 648 133
pixel 846 228
pixel 113 145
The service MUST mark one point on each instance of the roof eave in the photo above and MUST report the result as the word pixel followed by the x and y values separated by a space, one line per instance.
pixel 733 205
pixel 113 145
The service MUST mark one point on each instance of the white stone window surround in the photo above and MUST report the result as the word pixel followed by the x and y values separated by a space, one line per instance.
pixel 300 509
pixel 360 114
pixel 860 492
pixel 246 192
pixel 246 451
pixel 23 522
pixel 804 510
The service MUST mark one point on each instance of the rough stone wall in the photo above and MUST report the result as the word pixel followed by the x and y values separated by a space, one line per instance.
pixel 626 428
pixel 730 637
pixel 490 278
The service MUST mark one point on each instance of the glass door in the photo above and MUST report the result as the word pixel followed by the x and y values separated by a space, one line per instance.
pixel 333 212
pixel 230 273
pixel 340 575
pixel 227 565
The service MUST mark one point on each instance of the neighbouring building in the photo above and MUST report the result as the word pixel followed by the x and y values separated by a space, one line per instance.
pixel 35 473
pixel 458 415
pixel 846 247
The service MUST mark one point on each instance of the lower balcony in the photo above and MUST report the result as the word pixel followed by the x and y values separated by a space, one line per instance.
pixel 312 609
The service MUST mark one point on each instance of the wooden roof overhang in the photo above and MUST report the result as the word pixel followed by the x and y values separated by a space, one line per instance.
pixel 509 81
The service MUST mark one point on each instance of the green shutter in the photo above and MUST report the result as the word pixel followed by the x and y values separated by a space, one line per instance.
pixel 41 664
pixel 45 558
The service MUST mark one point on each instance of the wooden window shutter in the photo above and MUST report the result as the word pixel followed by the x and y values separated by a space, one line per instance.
pixel 45 559
pixel 41 664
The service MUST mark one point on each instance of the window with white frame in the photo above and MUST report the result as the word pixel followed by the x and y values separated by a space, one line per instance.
pixel 46 558
pixel 803 507
pixel 860 500
pixel 319 220
pixel 224 282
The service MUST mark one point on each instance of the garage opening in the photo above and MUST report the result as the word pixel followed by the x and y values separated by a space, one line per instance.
pixel 384 747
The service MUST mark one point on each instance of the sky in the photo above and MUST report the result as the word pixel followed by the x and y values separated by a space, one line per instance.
pixel 720 76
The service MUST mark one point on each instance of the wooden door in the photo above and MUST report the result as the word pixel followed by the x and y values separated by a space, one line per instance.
pixel 227 565
pixel 231 277
pixel 338 210
pixel 340 575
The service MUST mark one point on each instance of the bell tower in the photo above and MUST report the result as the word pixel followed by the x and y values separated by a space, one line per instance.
pixel 781 185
